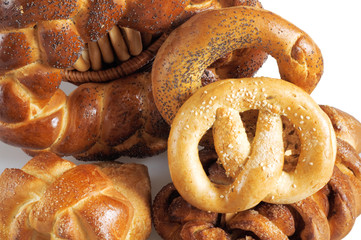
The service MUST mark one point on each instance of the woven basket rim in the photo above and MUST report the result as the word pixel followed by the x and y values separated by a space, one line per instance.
pixel 123 69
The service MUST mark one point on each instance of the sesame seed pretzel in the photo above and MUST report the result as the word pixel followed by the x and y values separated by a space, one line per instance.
pixel 256 167
pixel 206 37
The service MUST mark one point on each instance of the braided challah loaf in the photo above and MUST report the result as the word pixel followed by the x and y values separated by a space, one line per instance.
pixel 51 198
pixel 328 214
pixel 96 121
pixel 39 39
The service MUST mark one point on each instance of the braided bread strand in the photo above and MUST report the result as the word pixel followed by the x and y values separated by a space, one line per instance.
pixel 96 121
pixel 37 38
pixel 52 198
pixel 36 116
pixel 328 214
pixel 40 37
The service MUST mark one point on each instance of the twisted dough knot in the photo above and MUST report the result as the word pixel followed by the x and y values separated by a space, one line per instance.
pixel 330 213
pixel 256 168
pixel 52 198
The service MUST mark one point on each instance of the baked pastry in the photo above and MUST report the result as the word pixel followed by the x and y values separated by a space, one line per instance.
pixel 328 214
pixel 95 122
pixel 255 166
pixel 192 47
pixel 43 41
pixel 51 198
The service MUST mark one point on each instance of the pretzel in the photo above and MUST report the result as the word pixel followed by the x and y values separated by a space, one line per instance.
pixel 95 122
pixel 191 48
pixel 330 213
pixel 257 172
pixel 53 198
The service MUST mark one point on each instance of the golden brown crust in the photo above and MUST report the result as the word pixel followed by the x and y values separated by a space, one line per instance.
pixel 35 47
pixel 18 49
pixel 132 180
pixel 192 47
pixel 52 34
pixel 96 121
pixel 56 37
pixel 53 197
pixel 346 126
pixel 328 214
pixel 256 168
pixel 170 212
pixel 157 14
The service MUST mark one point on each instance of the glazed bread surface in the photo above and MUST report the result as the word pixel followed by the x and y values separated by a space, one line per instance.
pixel 52 198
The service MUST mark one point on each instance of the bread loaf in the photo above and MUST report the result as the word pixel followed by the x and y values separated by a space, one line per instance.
pixel 41 39
pixel 96 121
pixel 53 198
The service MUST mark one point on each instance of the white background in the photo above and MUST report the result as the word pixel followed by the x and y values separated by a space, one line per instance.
pixel 334 26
